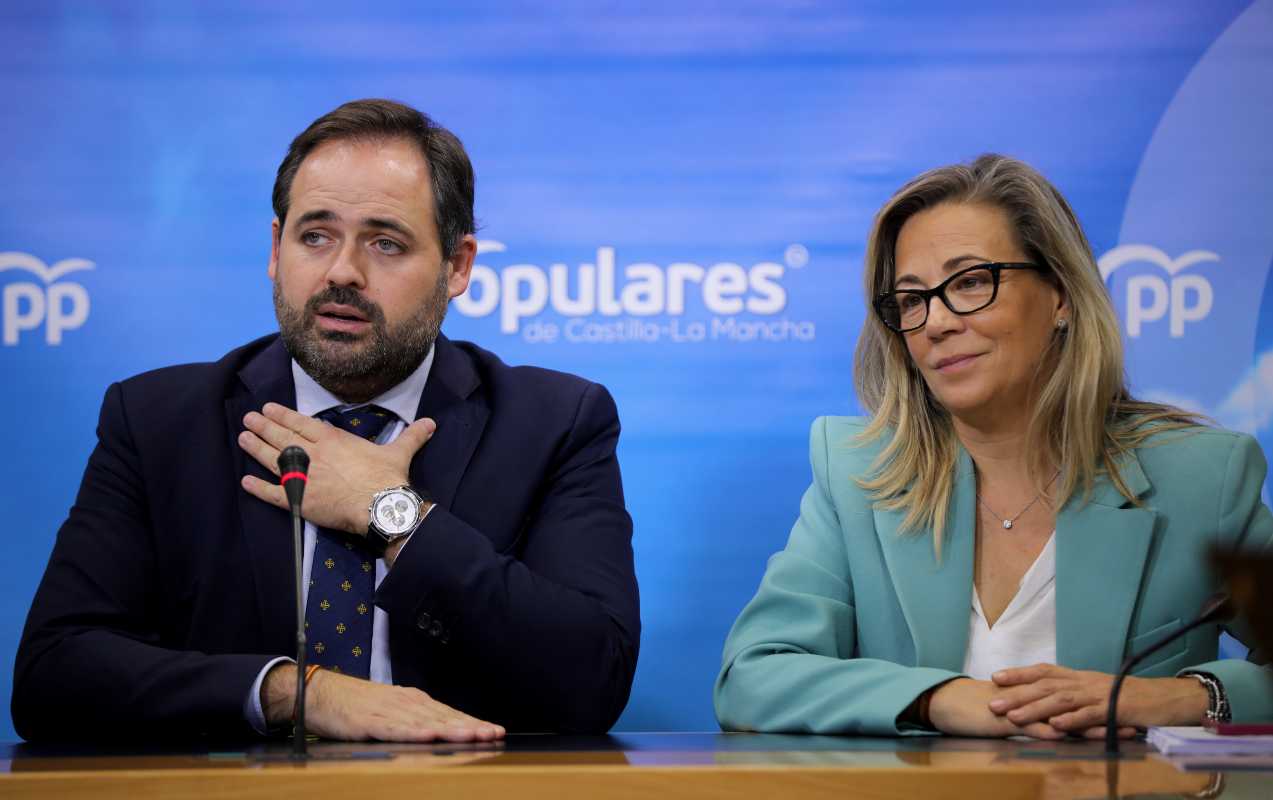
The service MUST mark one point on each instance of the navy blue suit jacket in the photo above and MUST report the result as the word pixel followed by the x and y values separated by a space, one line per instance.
pixel 169 587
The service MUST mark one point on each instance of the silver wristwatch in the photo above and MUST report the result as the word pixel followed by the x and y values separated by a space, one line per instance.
pixel 393 514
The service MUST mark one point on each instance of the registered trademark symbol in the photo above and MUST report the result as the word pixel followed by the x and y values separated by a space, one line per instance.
pixel 796 256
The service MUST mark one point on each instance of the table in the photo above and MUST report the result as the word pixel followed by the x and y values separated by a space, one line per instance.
pixel 663 765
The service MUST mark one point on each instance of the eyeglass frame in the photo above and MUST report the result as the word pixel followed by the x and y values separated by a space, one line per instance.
pixel 994 267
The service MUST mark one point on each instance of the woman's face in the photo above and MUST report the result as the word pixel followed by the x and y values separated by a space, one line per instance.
pixel 979 366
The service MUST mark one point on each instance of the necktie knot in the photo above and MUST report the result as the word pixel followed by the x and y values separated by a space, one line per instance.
pixel 365 421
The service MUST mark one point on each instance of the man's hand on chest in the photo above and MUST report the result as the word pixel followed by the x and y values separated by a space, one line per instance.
pixel 345 470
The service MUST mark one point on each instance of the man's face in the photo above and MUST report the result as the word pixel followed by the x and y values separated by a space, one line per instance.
pixel 360 288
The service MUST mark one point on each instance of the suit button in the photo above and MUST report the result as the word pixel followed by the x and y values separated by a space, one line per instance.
pixel 422 621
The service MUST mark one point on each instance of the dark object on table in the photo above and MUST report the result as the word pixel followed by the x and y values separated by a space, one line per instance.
pixel 1248 578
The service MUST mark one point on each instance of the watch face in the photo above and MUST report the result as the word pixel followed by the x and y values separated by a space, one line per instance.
pixel 396 512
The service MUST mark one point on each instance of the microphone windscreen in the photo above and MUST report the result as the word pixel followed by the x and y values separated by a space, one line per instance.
pixel 293 459
pixel 293 469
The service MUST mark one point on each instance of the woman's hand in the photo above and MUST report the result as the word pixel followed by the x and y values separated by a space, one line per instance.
pixel 1076 701
pixel 962 708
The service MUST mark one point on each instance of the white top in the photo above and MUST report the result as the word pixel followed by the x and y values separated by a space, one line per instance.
pixel 1026 632
pixel 312 399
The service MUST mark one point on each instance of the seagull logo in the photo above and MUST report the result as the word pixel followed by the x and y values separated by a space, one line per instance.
pixel 1130 253
pixel 66 266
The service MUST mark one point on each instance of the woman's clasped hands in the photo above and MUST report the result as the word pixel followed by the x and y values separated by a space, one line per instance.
pixel 1046 701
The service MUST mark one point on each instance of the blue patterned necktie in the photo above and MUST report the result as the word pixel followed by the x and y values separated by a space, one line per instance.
pixel 342 577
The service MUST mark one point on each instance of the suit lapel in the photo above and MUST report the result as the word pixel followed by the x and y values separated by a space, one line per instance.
pixel 461 417
pixel 266 378
pixel 936 598
pixel 1101 551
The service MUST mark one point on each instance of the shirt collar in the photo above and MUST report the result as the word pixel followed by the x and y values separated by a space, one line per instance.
pixel 403 399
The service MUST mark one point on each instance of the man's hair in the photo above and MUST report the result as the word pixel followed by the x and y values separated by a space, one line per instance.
pixel 450 172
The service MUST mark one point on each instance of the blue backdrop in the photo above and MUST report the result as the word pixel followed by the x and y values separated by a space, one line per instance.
pixel 674 198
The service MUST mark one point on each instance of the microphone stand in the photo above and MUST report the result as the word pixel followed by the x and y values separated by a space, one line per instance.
pixel 1215 609
pixel 293 464
pixel 298 554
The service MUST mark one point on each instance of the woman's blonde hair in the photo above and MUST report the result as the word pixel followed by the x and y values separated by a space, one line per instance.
pixel 1083 419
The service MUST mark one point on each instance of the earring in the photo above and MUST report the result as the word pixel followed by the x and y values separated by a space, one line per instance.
pixel 1062 324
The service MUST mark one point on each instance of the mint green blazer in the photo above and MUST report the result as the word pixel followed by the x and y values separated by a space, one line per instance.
pixel 853 620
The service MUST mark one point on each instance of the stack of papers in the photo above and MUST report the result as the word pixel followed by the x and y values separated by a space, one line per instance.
pixel 1200 741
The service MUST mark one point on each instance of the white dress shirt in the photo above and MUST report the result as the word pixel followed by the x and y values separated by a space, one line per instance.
pixel 312 399
pixel 1025 634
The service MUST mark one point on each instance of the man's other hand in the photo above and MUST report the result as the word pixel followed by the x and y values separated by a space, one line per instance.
pixel 345 471
pixel 351 709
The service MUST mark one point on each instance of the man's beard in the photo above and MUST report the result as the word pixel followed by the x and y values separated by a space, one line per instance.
pixel 358 371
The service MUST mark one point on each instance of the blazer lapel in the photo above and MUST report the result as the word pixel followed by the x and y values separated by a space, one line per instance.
pixel 266 378
pixel 936 597
pixel 1101 550
pixel 449 399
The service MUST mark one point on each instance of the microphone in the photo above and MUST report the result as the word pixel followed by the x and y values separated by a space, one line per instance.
pixel 293 468
pixel 1218 608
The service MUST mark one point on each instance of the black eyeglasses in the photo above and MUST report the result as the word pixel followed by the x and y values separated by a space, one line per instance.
pixel 965 292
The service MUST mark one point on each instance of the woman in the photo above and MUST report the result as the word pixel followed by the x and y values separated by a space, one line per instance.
pixel 980 555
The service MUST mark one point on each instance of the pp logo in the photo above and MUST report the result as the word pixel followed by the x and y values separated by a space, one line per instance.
pixel 1181 298
pixel 58 306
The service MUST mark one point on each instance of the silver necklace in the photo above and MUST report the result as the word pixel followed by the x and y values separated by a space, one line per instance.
pixel 1007 523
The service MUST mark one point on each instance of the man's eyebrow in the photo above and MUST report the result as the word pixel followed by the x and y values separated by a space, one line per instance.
pixel 389 225
pixel 948 266
pixel 317 215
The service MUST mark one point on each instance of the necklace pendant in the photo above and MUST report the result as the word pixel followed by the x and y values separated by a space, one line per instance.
pixel 1007 524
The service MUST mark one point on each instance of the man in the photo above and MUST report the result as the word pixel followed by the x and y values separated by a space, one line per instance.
pixel 466 534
